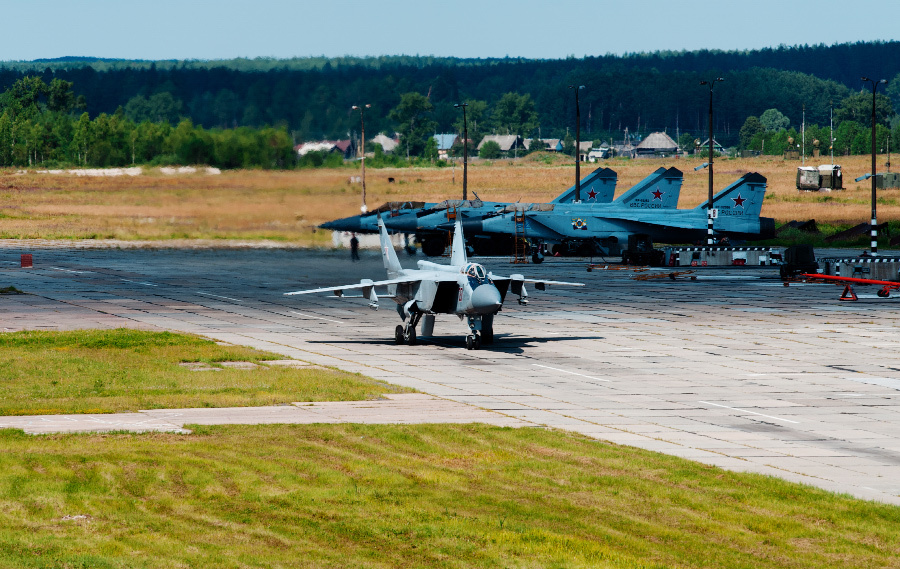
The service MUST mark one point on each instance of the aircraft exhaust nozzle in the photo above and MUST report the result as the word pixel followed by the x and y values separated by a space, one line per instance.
pixel 473 226
pixel 486 299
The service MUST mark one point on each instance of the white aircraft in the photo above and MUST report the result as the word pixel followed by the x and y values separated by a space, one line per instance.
pixel 461 288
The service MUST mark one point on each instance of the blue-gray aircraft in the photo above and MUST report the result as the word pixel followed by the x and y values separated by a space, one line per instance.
pixel 423 219
pixel 660 190
pixel 663 183
pixel 737 207
pixel 461 288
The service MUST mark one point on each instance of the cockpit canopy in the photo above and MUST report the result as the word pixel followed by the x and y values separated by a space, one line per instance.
pixel 475 271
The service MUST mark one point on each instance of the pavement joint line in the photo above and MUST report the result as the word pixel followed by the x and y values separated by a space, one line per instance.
pixel 218 296
pixel 570 372
pixel 69 270
pixel 316 317
pixel 139 282
pixel 751 412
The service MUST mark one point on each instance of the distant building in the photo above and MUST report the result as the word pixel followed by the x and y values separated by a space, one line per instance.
pixel 584 148
pixel 598 154
pixel 550 144
pixel 507 142
pixel 444 144
pixel 657 144
pixel 716 146
pixel 345 147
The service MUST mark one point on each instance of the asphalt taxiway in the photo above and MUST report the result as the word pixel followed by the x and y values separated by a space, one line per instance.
pixel 731 369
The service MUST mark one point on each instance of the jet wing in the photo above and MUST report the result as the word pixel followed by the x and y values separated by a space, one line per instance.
pixel 338 290
pixel 534 281
pixel 660 219
pixel 367 284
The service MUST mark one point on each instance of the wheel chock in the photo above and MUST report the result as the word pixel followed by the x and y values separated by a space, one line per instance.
pixel 848 294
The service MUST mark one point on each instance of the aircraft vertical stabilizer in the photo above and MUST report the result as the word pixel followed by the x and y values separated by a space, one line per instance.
pixel 660 189
pixel 601 184
pixel 458 250
pixel 744 196
pixel 391 262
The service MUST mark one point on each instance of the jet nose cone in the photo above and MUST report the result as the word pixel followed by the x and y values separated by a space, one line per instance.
pixel 344 224
pixel 486 299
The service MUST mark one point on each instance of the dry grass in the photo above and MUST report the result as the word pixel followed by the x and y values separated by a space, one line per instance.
pixel 287 206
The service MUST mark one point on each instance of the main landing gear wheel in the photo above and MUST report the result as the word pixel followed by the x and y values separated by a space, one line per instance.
pixel 884 293
pixel 411 336
pixel 398 334
pixel 473 342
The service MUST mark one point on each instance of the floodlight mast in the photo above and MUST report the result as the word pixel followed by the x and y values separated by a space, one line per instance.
pixel 465 148
pixel 577 144
pixel 362 151
pixel 874 222
pixel 710 241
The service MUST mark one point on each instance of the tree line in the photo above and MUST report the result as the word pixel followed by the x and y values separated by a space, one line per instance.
pixel 46 124
pixel 311 97
pixel 248 113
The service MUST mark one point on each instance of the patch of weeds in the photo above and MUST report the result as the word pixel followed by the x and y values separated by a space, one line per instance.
pixel 10 290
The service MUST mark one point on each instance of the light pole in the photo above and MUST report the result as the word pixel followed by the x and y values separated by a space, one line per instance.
pixel 577 144
pixel 874 225
pixel 710 241
pixel 465 148
pixel 362 152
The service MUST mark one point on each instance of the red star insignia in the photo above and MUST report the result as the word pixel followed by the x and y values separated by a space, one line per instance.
pixel 739 201
pixel 592 194
pixel 657 195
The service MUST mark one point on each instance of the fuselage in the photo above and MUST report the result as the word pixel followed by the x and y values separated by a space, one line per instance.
pixel 471 292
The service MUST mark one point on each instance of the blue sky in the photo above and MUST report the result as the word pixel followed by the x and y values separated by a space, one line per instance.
pixel 203 29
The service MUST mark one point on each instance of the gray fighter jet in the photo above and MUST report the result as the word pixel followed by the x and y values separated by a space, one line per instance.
pixel 738 207
pixel 423 219
pixel 461 288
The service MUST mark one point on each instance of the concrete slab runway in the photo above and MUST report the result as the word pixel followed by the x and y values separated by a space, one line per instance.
pixel 398 408
pixel 732 369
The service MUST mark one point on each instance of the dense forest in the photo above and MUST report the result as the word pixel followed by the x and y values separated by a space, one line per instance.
pixel 304 99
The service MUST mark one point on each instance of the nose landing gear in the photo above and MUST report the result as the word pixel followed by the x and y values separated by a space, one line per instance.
pixel 406 334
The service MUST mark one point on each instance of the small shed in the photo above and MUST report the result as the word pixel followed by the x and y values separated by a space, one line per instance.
pixel 825 177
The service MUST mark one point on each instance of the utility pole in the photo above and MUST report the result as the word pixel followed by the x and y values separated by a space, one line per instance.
pixel 465 149
pixel 362 152
pixel 874 223
pixel 577 144
pixel 710 241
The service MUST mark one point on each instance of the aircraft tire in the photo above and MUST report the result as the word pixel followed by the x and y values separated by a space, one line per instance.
pixel 884 293
pixel 433 247
pixel 476 343
pixel 470 342
pixel 398 334
pixel 411 337
pixel 537 258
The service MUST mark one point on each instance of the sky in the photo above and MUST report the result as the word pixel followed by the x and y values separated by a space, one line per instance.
pixel 549 29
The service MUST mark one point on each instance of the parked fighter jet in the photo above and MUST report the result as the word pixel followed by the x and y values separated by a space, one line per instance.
pixel 738 208
pixel 422 219
pixel 461 288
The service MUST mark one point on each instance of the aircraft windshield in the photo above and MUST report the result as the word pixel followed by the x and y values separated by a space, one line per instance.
pixel 475 271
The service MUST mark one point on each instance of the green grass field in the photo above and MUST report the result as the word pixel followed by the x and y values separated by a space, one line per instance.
pixel 105 371
pixel 409 496
pixel 366 496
